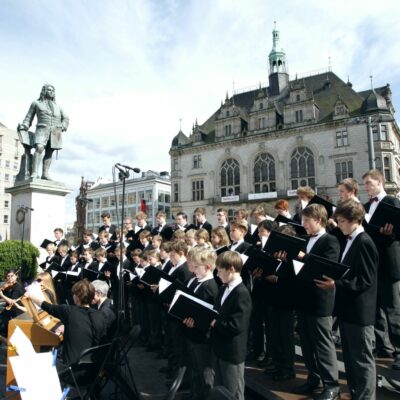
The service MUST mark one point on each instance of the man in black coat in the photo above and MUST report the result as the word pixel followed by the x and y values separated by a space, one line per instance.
pixel 389 269
pixel 107 226
pixel 315 308
pixel 200 215
pixel 355 305
pixel 229 331
pixel 104 305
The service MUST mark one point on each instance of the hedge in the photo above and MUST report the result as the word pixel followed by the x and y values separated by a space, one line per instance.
pixel 10 257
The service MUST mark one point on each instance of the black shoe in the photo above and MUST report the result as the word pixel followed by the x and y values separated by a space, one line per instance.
pixel 329 394
pixel 283 376
pixel 307 387
pixel 263 363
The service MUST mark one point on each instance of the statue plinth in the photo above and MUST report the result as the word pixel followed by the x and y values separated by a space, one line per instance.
pixel 46 199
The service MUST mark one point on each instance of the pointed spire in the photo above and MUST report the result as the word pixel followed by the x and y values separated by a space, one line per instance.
pixel 372 83
pixel 180 124
pixel 277 57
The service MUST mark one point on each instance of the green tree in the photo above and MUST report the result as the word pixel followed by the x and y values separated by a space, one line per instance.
pixel 13 254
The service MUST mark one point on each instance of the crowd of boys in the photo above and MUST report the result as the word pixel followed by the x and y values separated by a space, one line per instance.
pixel 258 314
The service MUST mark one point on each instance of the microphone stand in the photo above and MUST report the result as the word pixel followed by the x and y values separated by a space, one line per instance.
pixel 116 356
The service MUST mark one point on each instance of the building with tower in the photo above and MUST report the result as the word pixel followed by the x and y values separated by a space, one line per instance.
pixel 262 144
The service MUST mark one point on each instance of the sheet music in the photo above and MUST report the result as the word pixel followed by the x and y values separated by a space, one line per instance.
pixel 36 290
pixel 163 284
pixel 298 265
pixel 21 343
pixel 243 257
pixel 195 299
pixel 29 372
pixel 139 271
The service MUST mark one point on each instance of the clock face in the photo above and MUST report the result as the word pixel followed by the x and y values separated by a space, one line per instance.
pixel 20 216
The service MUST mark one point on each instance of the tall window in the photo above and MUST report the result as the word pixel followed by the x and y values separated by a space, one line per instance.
pixel 6 203
pixel 228 130
pixel 176 192
pixel 380 132
pixel 264 173
pixel 230 178
pixel 198 190
pixel 342 138
pixel 344 169
pixel 299 115
pixel 261 123
pixel 197 161
pixel 386 169
pixel 302 171
pixel 5 219
pixel 7 163
pixel 175 164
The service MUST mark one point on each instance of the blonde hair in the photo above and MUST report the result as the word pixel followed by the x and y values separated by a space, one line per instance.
pixel 47 282
pixel 204 257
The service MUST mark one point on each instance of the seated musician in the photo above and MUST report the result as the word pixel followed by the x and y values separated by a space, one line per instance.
pixel 11 291
pixel 46 283
pixel 84 327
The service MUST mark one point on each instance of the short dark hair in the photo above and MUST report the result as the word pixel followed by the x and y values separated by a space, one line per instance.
pixel 58 230
pixel 229 259
pixel 84 291
pixel 105 215
pixel 268 225
pixel 182 214
pixel 351 210
pixel 375 174
pixel 316 211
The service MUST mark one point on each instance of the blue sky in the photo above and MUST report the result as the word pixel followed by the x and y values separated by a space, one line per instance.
pixel 126 71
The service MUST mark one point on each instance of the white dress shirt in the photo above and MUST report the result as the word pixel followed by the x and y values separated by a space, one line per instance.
pixel 350 240
pixel 230 287
pixel 314 239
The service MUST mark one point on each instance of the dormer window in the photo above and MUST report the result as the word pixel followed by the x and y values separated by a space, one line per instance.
pixel 227 113
pixel 297 97
pixel 228 130
pixel 197 137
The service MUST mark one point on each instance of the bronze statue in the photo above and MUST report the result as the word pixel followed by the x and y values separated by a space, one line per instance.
pixel 51 123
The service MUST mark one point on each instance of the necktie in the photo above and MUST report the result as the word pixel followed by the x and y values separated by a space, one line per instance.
pixel 349 237
pixel 371 200
pixel 234 243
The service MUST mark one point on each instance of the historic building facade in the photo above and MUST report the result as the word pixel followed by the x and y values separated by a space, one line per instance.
pixel 150 192
pixel 260 145
pixel 10 155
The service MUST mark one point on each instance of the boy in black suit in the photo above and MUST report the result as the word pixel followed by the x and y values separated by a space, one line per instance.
pixel 229 331
pixel 200 215
pixel 175 337
pixel 203 262
pixel 356 294
pixel 389 270
pixel 315 308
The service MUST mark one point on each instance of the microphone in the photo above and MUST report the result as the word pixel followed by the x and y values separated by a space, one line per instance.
pixel 137 170
pixel 26 208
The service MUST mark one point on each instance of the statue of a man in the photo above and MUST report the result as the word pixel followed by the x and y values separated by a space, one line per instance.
pixel 51 123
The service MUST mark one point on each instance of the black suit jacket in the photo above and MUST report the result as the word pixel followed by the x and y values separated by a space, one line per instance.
pixel 310 298
pixel 356 292
pixel 182 273
pixel 245 274
pixel 207 226
pixel 208 292
pixel 230 333
pixel 166 232
pixel 388 248
pixel 110 315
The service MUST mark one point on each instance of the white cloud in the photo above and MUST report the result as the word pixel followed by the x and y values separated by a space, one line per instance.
pixel 126 71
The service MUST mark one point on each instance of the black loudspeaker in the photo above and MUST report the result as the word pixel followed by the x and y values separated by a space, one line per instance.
pixel 220 393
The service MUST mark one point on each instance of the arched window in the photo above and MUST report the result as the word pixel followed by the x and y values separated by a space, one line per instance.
pixel 302 171
pixel 230 178
pixel 264 173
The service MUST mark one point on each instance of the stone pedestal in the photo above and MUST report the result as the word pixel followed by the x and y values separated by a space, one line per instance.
pixel 47 199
